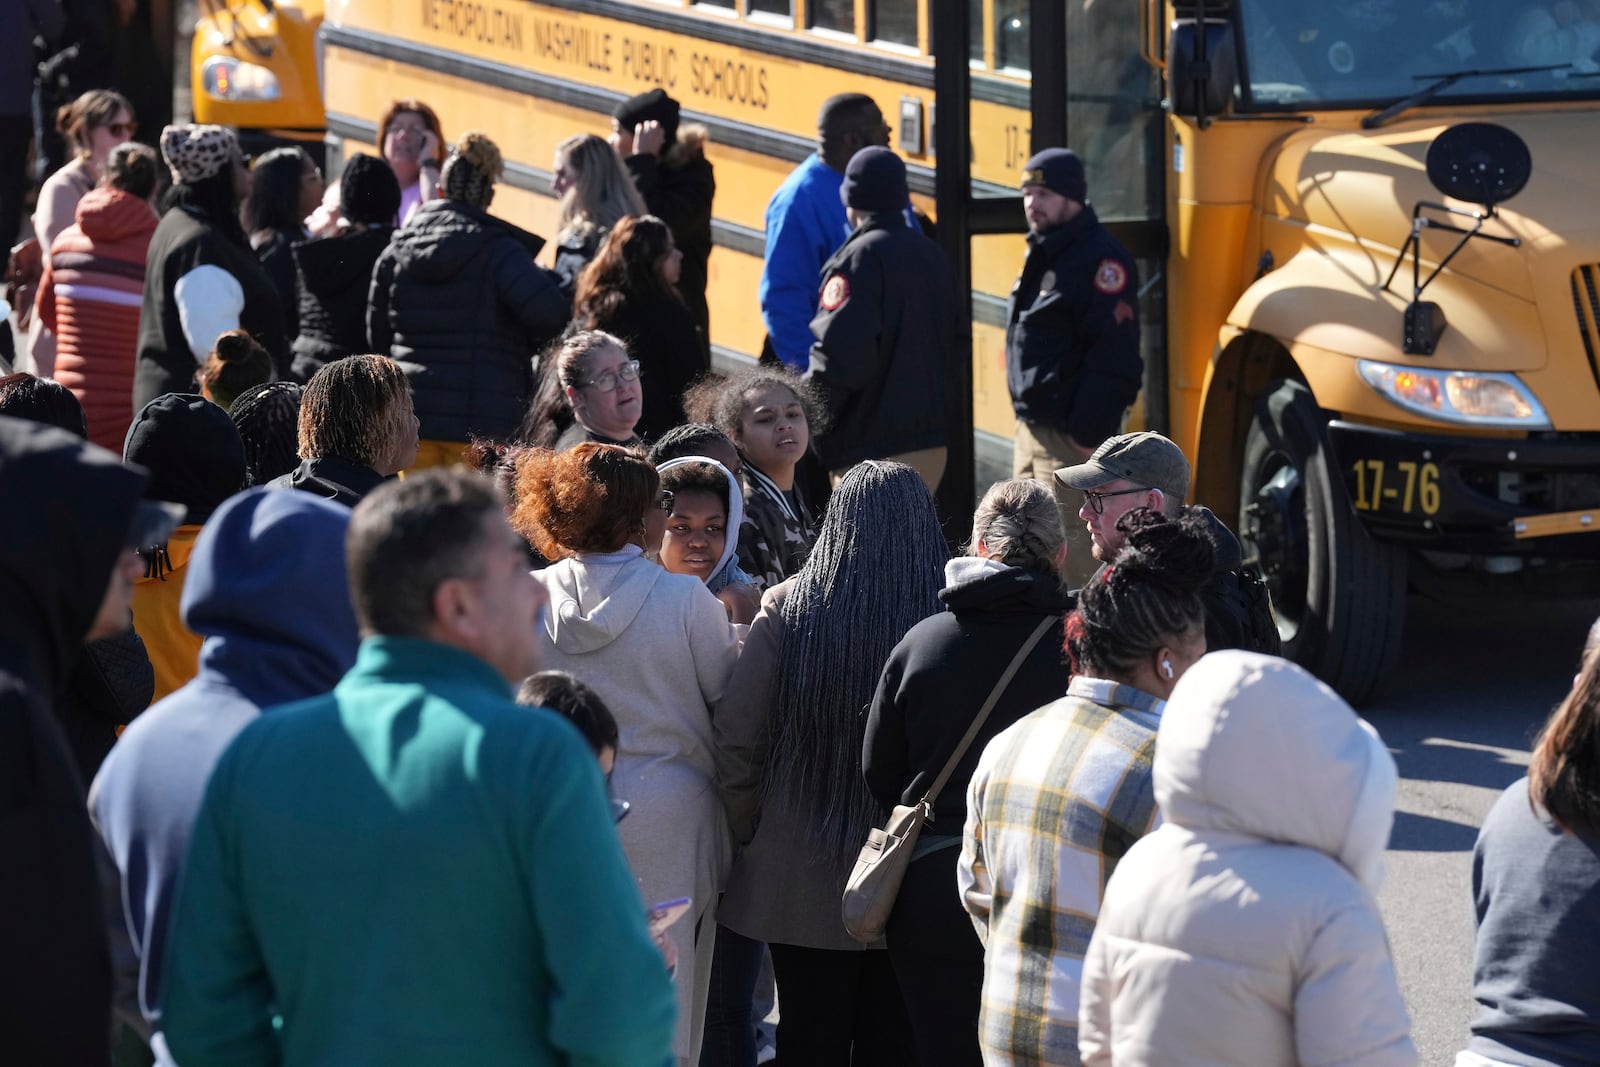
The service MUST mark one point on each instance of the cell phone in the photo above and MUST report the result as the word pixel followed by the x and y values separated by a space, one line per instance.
pixel 664 915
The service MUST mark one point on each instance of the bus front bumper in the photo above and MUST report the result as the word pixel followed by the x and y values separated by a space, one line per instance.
pixel 1489 496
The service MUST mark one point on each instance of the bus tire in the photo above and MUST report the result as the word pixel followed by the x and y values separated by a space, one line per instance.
pixel 1338 595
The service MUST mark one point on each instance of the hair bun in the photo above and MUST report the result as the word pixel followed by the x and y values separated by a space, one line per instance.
pixel 484 155
pixel 1177 554
pixel 236 346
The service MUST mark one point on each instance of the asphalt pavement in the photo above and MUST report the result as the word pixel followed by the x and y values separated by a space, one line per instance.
pixel 1477 680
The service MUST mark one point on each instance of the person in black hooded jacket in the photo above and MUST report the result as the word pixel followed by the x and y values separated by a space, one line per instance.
pixel 334 274
pixel 459 303
pixel 669 168
pixel 356 431
pixel 935 681
pixel 71 518
pixel 112 681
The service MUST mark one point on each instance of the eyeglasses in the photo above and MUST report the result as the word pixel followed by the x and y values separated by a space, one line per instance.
pixel 122 129
pixel 667 501
pixel 1097 501
pixel 608 381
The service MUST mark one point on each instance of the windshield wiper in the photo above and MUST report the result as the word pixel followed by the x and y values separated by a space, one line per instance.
pixel 1440 84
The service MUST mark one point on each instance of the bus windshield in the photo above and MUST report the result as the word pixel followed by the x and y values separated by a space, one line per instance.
pixel 1366 53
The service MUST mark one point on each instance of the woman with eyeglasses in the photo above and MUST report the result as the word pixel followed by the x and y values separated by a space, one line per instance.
pixel 658 649
pixel 631 290
pixel 589 390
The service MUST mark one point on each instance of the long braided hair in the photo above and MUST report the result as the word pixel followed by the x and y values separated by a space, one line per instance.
pixel 874 572
pixel 1147 595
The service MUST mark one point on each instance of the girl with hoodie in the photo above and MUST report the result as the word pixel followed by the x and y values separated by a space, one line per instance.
pixel 1535 875
pixel 658 649
pixel 93 285
pixel 1245 931
pixel 936 679
pixel 702 532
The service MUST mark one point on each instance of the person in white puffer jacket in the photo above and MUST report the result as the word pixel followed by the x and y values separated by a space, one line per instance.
pixel 1245 931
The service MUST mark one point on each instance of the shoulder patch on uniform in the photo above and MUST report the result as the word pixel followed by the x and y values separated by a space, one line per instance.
pixel 835 293
pixel 1110 277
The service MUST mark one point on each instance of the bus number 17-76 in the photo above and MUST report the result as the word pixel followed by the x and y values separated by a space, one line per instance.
pixel 1419 491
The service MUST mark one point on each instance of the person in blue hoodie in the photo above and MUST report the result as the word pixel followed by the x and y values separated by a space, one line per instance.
pixel 267 591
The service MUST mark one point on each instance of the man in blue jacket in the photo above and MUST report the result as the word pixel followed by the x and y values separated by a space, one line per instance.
pixel 806 223
pixel 414 869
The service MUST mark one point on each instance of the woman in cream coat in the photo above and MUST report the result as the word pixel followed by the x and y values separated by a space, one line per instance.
pixel 1245 931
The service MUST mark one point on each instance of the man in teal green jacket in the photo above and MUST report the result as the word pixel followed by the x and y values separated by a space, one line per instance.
pixel 413 869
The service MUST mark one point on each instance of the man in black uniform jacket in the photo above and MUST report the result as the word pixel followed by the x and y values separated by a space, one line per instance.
pixel 885 330
pixel 1072 336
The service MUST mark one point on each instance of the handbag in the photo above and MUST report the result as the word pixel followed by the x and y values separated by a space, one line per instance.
pixel 874 882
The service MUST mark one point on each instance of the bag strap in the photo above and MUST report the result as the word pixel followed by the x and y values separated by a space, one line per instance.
pixel 988 706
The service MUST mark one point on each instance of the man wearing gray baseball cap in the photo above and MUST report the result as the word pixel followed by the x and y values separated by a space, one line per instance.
pixel 1146 470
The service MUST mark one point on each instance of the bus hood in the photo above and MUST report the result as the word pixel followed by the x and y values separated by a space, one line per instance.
pixel 1367 183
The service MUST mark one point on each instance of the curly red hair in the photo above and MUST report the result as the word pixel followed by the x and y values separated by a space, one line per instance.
pixel 591 498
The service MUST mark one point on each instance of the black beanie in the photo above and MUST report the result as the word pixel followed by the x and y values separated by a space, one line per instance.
pixel 644 107
pixel 192 451
pixel 268 419
pixel 875 181
pixel 1059 170
pixel 369 193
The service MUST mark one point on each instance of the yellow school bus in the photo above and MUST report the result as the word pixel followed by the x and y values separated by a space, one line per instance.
pixel 754 72
pixel 1370 275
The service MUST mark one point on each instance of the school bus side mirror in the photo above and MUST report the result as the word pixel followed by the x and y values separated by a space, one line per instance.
pixel 1202 67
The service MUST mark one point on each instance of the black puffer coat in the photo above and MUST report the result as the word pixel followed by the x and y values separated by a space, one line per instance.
pixel 459 303
pixel 333 276
pixel 941 672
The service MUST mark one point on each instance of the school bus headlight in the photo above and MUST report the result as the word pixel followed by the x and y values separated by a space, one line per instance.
pixel 227 78
pixel 1471 398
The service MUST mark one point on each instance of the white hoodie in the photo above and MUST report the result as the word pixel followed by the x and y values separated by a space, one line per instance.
pixel 1245 931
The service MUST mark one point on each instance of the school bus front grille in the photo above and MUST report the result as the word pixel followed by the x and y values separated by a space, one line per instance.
pixel 1586 304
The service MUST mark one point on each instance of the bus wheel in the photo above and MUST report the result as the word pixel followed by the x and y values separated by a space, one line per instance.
pixel 1337 594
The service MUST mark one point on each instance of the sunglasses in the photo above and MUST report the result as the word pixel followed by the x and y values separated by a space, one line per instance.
pixel 121 129
pixel 1097 501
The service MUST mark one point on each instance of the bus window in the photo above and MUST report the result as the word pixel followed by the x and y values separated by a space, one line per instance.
pixel 836 15
pixel 894 21
pixel 782 8
pixel 1113 110
pixel 1011 35
pixel 975 9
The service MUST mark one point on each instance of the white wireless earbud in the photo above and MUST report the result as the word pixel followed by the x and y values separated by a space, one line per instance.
pixel 1166 667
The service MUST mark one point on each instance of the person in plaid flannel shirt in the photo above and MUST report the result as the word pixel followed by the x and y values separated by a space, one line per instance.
pixel 1061 795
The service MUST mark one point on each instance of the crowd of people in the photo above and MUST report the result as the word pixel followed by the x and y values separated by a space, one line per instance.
pixel 413 653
